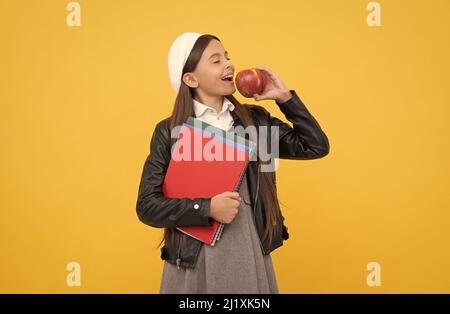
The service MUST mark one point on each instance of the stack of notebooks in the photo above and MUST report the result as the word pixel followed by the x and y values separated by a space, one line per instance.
pixel 206 161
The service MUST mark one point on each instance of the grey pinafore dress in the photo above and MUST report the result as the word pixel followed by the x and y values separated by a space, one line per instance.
pixel 235 264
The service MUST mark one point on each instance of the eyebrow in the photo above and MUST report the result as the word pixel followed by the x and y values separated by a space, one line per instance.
pixel 215 54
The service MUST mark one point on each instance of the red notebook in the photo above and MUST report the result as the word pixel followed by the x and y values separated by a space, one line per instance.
pixel 206 161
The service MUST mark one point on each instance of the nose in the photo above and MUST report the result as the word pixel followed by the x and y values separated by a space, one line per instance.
pixel 230 65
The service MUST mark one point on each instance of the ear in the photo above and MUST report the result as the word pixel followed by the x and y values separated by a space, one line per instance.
pixel 190 80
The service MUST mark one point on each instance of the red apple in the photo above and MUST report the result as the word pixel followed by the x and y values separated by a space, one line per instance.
pixel 250 81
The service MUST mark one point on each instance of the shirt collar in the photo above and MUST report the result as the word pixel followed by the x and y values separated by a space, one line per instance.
pixel 200 108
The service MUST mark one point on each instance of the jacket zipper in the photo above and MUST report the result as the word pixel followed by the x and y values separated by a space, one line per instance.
pixel 178 256
pixel 256 196
pixel 254 209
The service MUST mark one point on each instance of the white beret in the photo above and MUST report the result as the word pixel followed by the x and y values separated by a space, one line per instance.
pixel 178 54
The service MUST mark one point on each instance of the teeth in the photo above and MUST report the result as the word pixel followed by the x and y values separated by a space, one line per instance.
pixel 228 76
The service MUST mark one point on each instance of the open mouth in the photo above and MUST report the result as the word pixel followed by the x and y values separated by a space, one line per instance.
pixel 228 78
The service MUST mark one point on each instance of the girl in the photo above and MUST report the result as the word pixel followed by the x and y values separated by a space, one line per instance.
pixel 240 261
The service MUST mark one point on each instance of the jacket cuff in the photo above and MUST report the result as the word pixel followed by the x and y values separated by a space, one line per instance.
pixel 201 208
pixel 291 106
pixel 293 99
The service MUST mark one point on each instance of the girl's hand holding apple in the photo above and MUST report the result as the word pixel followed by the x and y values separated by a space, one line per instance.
pixel 262 83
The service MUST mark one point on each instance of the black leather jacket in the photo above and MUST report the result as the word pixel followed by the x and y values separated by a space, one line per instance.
pixel 305 140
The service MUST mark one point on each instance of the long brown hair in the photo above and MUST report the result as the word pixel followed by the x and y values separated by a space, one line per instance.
pixel 183 109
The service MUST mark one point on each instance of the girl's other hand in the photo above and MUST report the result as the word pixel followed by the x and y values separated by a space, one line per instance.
pixel 225 206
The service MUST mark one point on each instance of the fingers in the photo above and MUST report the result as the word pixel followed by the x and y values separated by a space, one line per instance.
pixel 259 97
pixel 274 79
pixel 233 195
pixel 271 74
pixel 235 198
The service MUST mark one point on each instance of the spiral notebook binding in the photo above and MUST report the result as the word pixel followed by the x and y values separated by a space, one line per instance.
pixel 236 188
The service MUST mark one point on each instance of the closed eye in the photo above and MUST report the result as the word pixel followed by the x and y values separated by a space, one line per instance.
pixel 219 60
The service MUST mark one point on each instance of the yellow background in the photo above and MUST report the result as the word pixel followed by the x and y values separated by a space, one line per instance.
pixel 79 105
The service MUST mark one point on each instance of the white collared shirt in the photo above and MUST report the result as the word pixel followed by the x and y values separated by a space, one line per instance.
pixel 223 119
